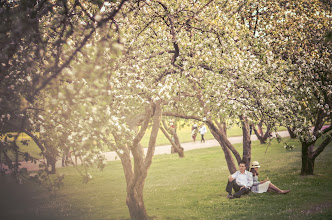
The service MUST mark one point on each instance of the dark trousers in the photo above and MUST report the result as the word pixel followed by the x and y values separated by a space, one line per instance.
pixel 238 192
pixel 202 139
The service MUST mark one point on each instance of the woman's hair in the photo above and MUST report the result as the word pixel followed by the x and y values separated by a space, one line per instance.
pixel 254 172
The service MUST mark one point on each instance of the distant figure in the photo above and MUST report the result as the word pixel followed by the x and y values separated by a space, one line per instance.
pixel 202 131
pixel 241 181
pixel 194 131
pixel 263 186
pixel 250 128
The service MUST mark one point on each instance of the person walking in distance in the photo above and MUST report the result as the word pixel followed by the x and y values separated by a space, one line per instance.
pixel 203 131
pixel 194 132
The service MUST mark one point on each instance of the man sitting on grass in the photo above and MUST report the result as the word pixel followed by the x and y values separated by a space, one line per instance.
pixel 241 181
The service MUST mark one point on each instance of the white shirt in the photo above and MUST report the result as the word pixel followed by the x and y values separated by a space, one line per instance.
pixel 203 130
pixel 244 179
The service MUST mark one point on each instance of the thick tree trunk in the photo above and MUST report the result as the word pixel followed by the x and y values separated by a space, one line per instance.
pixel 309 154
pixel 308 161
pixel 246 141
pixel 135 178
pixel 135 201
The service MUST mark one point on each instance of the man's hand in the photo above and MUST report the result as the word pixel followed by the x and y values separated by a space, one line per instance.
pixel 242 187
pixel 230 178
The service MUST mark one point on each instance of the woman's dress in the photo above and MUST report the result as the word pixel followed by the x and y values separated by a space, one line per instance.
pixel 258 187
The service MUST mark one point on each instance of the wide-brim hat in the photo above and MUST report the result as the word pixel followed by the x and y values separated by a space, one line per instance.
pixel 255 164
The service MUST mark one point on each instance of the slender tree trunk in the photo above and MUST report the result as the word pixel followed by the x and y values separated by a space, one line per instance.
pixel 222 126
pixel 179 149
pixel 246 141
pixel 227 152
pixel 260 127
pixel 176 146
pixel 261 136
pixel 291 132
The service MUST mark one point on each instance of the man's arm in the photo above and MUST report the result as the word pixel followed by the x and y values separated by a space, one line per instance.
pixel 232 177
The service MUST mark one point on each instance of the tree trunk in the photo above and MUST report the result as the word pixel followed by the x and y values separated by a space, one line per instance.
pixel 136 173
pixel 176 146
pixel 135 178
pixel 227 152
pixel 308 161
pixel 135 201
pixel 51 162
pixel 291 132
pixel 222 126
pixel 260 135
pixel 246 141
pixel 179 149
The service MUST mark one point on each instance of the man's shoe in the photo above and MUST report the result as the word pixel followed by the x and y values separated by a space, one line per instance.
pixel 230 196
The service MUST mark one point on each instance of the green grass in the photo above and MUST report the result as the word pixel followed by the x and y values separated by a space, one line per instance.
pixel 194 188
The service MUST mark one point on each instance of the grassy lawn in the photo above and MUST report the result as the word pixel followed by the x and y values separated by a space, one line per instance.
pixel 189 188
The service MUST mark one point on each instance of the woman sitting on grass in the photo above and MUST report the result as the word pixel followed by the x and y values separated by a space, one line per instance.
pixel 263 186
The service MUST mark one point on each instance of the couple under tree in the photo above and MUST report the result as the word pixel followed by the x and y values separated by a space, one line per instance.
pixel 243 181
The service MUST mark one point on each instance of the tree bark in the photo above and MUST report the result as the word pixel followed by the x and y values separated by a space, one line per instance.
pixel 309 154
pixel 135 202
pixel 291 132
pixel 176 146
pixel 308 162
pixel 222 127
pixel 246 141
pixel 259 133
pixel 226 146
pixel 135 187
pixel 136 175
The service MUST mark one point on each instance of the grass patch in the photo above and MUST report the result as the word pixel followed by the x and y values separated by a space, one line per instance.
pixel 193 188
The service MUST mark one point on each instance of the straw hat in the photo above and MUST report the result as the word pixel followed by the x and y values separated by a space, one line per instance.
pixel 255 164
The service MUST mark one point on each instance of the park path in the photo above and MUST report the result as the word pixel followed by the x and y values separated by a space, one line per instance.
pixel 166 149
